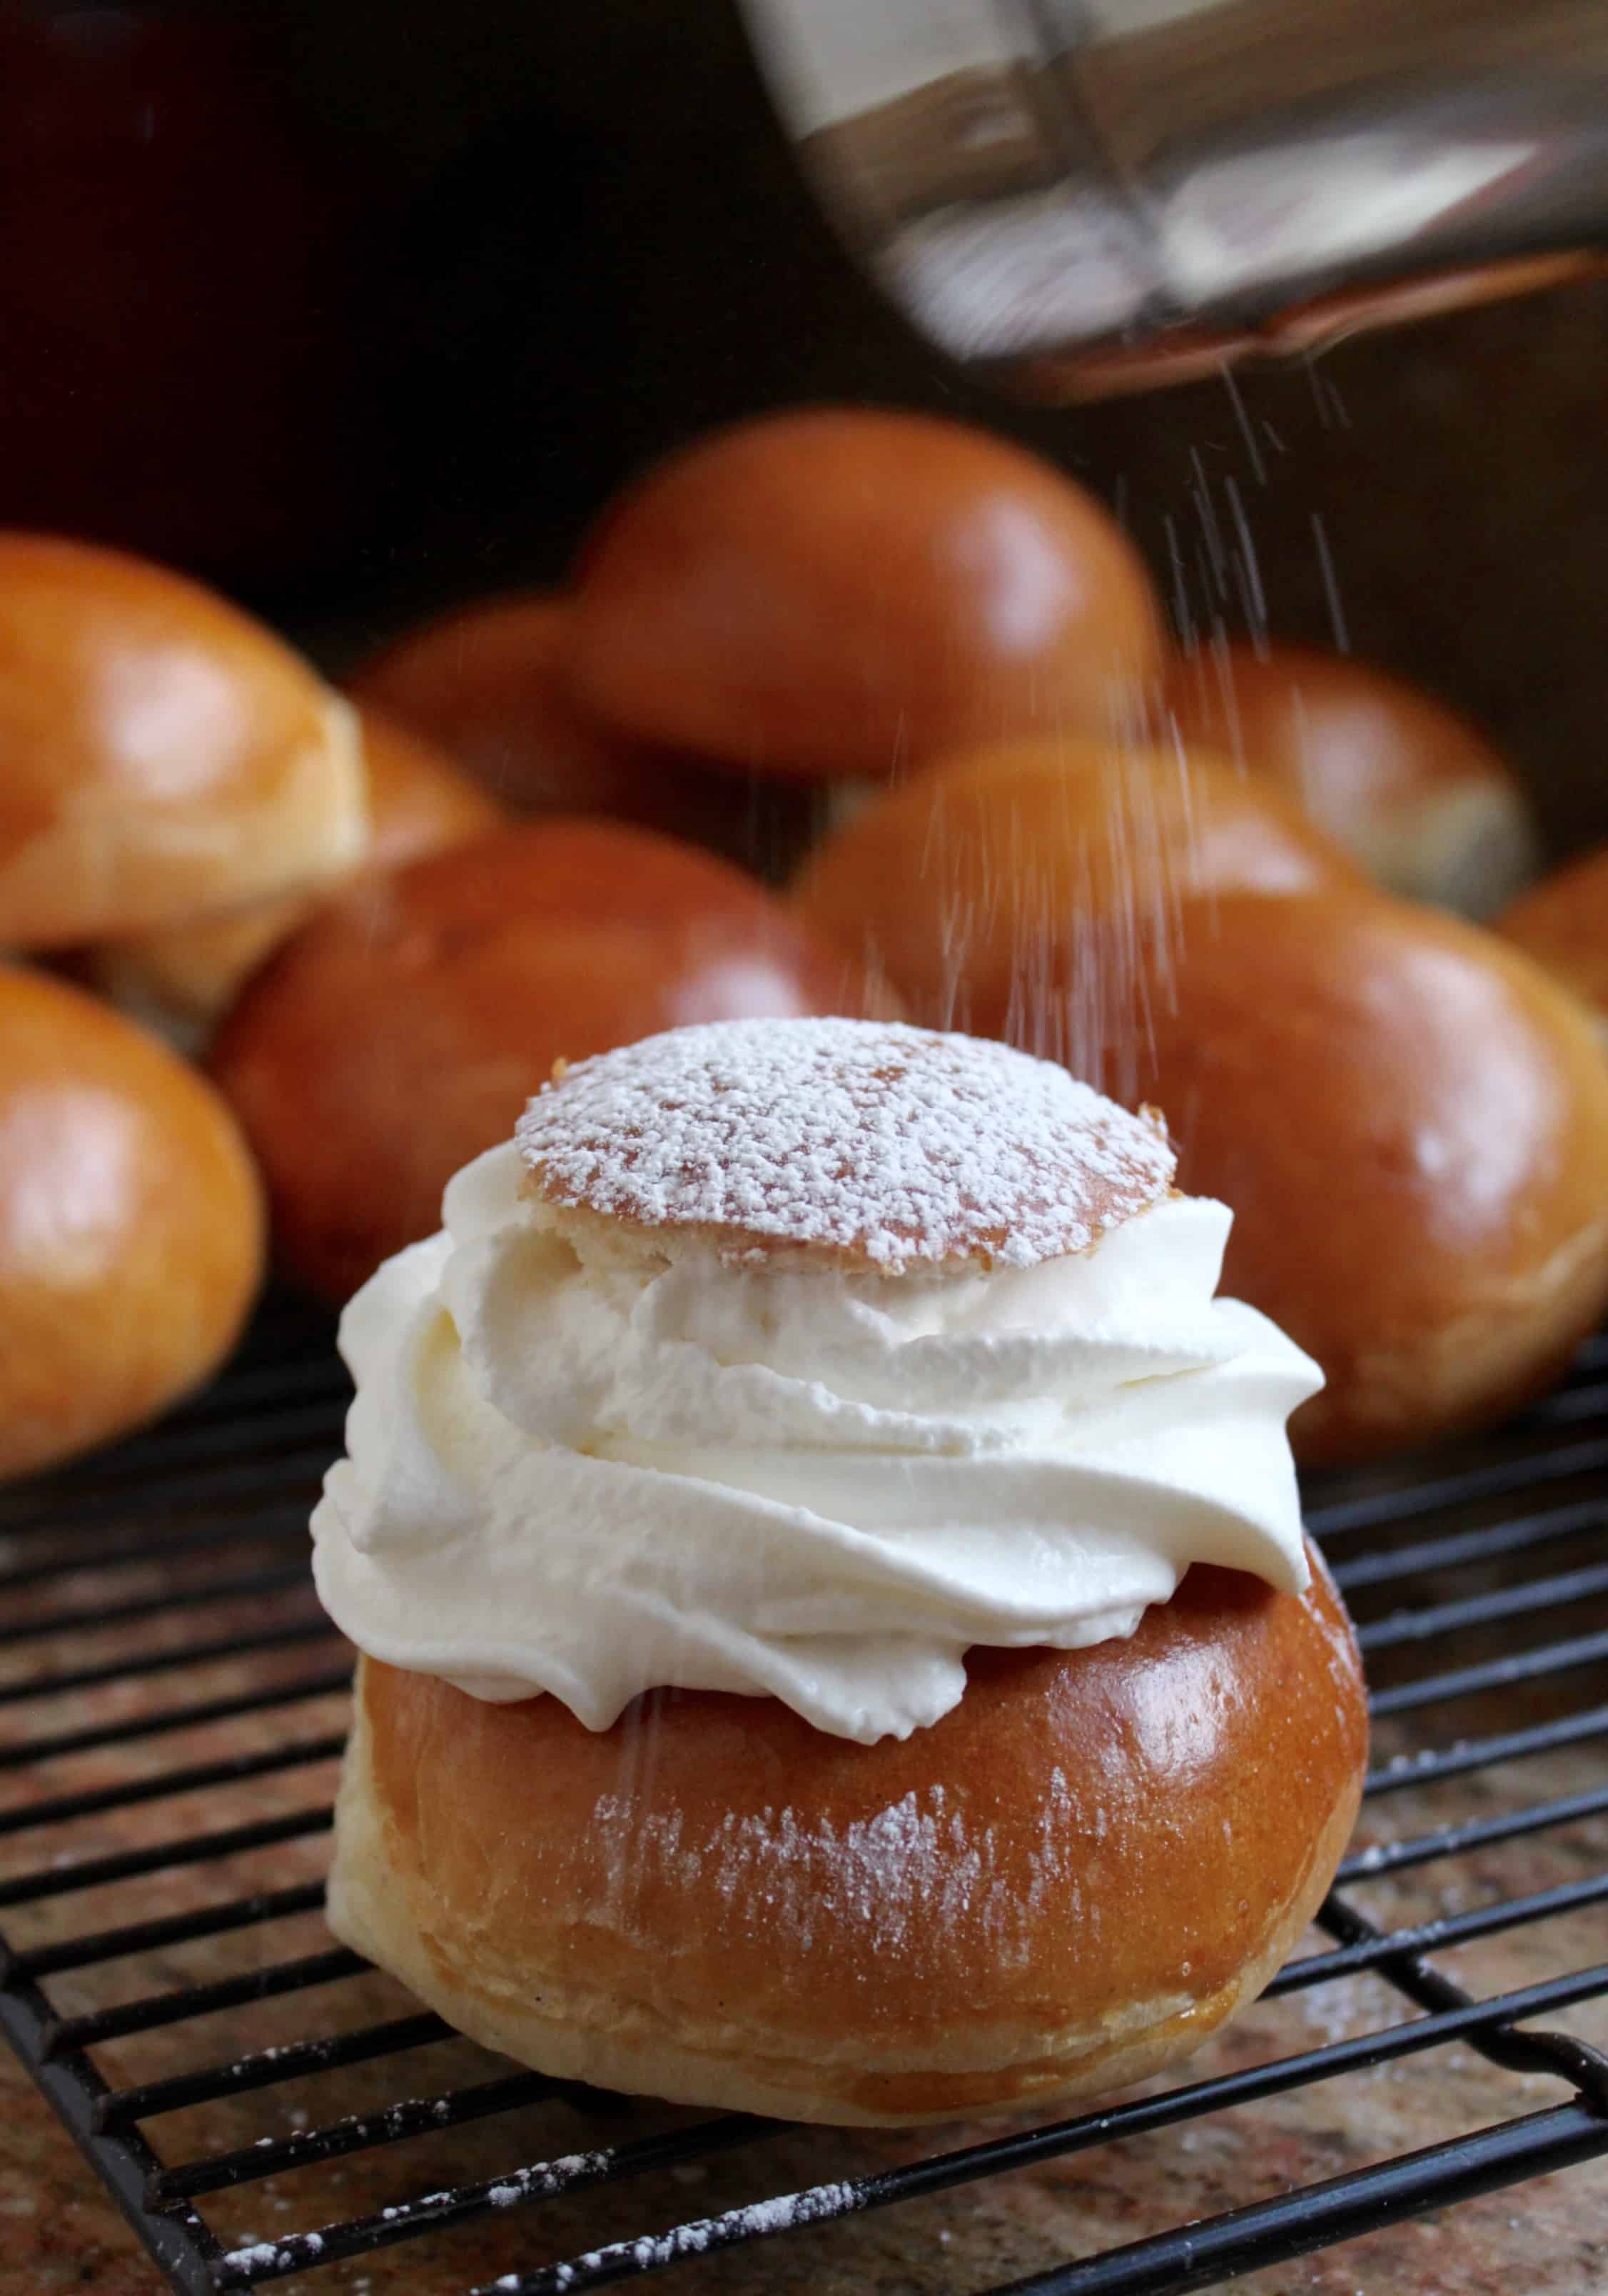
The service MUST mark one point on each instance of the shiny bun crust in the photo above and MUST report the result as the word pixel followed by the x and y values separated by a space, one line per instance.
pixel 1002 890
pixel 182 977
pixel 403 1029
pixel 1062 1885
pixel 832 591
pixel 131 1225
pixel 488 683
pixel 1563 923
pixel 1410 1120
pixel 160 753
pixel 1411 791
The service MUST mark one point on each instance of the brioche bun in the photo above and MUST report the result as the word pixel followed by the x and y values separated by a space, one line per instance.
pixel 1065 1883
pixel 161 754
pixel 131 1225
pixel 1563 923
pixel 403 1029
pixel 182 978
pixel 1008 890
pixel 1419 798
pixel 833 592
pixel 1410 1121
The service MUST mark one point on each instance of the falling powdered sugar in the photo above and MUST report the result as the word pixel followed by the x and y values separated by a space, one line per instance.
pixel 890 1144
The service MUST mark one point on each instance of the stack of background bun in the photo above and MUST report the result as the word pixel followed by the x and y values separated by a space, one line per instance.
pixel 838 712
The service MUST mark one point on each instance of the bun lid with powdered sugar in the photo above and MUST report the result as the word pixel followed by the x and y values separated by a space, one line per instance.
pixel 870 1142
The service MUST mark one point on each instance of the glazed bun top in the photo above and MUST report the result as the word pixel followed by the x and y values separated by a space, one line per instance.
pixel 867 1143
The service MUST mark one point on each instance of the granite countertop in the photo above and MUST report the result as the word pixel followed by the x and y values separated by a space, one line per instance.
pixel 1545 2238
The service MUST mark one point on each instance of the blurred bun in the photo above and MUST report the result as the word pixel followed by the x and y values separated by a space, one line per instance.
pixel 489 684
pixel 1410 1121
pixel 486 682
pixel 131 1226
pixel 835 593
pixel 401 1031
pixel 420 800
pixel 160 753
pixel 1563 923
pixel 1424 804
pixel 1008 890
pixel 181 979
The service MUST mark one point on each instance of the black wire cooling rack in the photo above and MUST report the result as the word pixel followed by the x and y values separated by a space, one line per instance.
pixel 185 1549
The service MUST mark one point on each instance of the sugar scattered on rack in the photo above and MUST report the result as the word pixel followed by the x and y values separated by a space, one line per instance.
pixel 546 2178
pixel 782 2213
pixel 264 2256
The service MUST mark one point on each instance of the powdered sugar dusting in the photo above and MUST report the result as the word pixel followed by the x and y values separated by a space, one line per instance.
pixel 892 1143
pixel 706 2235
pixel 906 1877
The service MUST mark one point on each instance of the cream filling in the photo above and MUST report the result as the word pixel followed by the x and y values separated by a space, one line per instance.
pixel 594 1477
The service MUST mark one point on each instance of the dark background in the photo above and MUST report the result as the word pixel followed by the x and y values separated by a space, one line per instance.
pixel 360 306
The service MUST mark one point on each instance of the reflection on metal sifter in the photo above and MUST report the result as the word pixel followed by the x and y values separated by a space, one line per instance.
pixel 1092 196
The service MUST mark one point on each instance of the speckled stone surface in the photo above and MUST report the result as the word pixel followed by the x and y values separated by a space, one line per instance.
pixel 1546 2238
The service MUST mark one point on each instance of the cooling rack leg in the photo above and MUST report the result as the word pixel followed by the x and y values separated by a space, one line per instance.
pixel 177 2238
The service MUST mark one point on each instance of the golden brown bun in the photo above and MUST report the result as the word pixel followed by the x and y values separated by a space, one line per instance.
pixel 488 683
pixel 160 753
pixel 403 1029
pixel 1003 891
pixel 182 978
pixel 1065 1883
pixel 832 592
pixel 1419 797
pixel 1563 923
pixel 420 800
pixel 131 1225
pixel 1410 1121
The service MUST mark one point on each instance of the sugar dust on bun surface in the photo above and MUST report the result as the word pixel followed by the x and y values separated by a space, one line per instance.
pixel 869 1146
pixel 939 1709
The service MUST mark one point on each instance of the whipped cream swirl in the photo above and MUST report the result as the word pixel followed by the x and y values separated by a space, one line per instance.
pixel 594 1471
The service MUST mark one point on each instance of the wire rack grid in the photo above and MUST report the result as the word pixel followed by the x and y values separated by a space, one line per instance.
pixel 158 1597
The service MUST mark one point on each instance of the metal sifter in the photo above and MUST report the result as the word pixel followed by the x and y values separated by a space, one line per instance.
pixel 1091 196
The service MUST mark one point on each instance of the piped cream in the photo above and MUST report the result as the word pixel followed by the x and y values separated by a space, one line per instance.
pixel 590 1470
